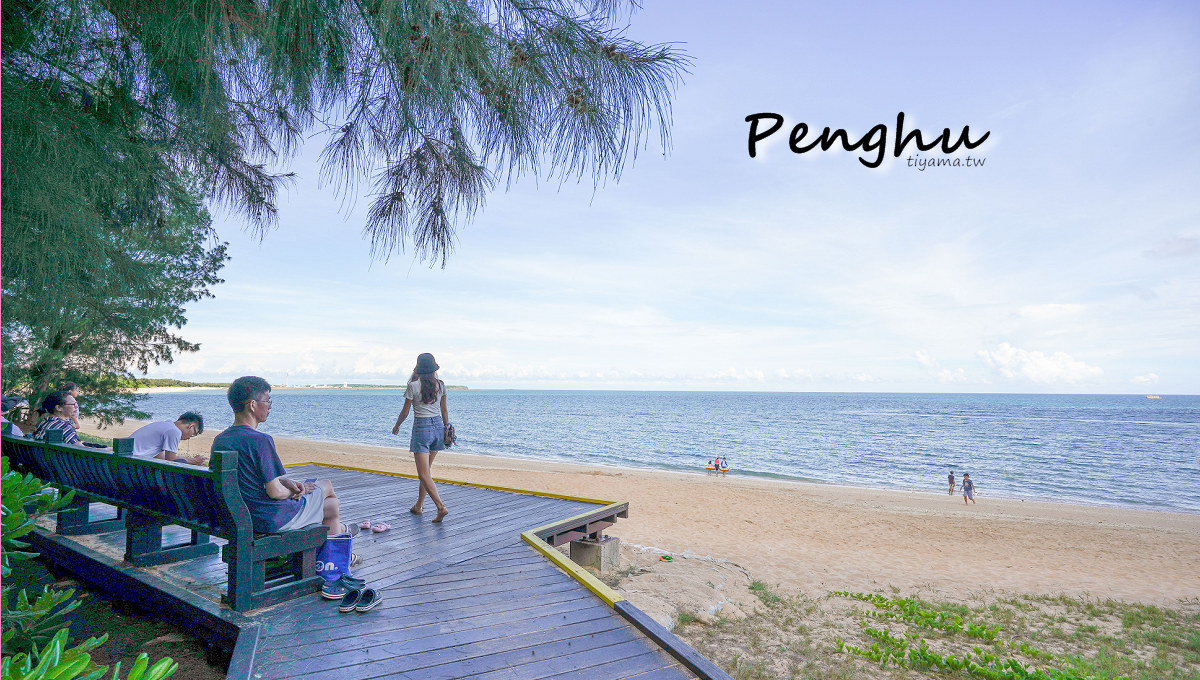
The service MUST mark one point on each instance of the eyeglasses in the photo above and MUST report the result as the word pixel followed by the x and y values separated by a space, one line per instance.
pixel 266 401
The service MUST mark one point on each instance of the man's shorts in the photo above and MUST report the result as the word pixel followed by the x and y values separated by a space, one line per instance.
pixel 312 512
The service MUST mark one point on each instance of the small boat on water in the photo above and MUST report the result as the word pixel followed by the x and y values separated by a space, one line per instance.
pixel 1153 396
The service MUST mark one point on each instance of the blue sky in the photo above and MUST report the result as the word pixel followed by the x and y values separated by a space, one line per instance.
pixel 1068 263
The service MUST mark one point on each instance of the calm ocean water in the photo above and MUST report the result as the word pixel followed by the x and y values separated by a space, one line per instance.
pixel 1113 450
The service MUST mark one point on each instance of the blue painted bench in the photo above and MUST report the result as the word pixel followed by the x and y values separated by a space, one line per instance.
pixel 152 493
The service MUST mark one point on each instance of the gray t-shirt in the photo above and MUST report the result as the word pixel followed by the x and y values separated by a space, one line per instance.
pixel 420 409
pixel 151 440
pixel 258 463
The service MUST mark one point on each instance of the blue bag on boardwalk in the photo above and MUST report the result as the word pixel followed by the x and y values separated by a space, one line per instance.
pixel 333 559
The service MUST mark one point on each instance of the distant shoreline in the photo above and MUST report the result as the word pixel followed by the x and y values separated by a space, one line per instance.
pixel 197 388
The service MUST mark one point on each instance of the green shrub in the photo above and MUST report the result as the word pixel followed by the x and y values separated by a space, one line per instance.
pixel 35 631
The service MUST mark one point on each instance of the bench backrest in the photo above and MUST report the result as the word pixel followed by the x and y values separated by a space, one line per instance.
pixel 205 499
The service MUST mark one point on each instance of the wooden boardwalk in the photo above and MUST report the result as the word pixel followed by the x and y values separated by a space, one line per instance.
pixel 467 598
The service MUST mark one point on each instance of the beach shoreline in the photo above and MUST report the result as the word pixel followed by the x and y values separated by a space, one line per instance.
pixel 815 538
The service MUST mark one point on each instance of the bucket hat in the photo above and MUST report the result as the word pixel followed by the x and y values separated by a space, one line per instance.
pixel 426 364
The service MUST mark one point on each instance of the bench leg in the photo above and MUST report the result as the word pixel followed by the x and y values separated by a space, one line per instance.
pixel 239 588
pixel 250 585
pixel 144 543
pixel 75 520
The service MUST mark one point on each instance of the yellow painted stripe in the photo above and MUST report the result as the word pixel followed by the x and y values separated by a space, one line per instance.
pixel 439 480
pixel 574 570
pixel 609 506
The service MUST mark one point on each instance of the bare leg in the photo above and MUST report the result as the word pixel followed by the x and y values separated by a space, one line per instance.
pixel 425 474
pixel 332 508
pixel 416 509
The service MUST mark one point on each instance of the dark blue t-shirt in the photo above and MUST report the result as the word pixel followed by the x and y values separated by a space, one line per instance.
pixel 258 463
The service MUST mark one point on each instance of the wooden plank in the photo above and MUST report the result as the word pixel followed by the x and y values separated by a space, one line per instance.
pixel 467 597
pixel 301 619
pixel 471 652
pixel 613 661
pixel 693 660
pixel 371 630
pixel 673 672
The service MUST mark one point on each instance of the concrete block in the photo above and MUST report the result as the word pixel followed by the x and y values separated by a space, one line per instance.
pixel 603 555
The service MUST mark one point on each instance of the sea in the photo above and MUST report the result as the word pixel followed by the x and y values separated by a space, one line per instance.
pixel 1114 450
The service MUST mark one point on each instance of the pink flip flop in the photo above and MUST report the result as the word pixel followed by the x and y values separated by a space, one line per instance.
pixel 365 524
pixel 380 527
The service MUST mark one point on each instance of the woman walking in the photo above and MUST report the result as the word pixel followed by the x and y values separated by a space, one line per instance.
pixel 426 396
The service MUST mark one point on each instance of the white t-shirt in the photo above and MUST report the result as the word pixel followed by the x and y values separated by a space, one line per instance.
pixel 421 410
pixel 151 440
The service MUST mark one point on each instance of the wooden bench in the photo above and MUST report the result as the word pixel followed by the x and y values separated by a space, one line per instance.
pixel 154 493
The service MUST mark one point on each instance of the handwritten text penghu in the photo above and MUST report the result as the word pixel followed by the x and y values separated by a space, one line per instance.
pixel 874 142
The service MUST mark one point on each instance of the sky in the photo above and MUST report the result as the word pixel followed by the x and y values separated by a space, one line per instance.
pixel 1068 262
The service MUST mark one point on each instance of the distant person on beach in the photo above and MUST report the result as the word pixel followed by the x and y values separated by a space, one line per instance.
pixel 952 482
pixel 276 503
pixel 968 489
pixel 72 389
pixel 426 397
pixel 723 466
pixel 161 439
pixel 58 413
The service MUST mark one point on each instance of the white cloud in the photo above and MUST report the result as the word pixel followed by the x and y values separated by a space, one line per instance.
pixel 1175 246
pixel 1148 379
pixel 1059 367
pixel 943 375
pixel 1049 312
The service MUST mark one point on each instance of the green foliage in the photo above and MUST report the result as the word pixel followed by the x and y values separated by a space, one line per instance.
pixel 91 322
pixel 764 593
pixel 35 631
pixel 911 651
pixel 435 99
pixel 56 661
pixel 28 625
pixel 25 498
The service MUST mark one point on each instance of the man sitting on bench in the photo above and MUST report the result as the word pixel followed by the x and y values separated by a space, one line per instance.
pixel 276 503
pixel 161 439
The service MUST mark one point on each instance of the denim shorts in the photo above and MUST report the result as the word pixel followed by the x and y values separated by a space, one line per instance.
pixel 428 434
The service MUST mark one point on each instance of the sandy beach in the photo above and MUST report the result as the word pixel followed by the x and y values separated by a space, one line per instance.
pixel 815 538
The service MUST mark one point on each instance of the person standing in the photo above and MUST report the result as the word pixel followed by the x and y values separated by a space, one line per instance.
pixel 426 398
pixel 952 482
pixel 968 489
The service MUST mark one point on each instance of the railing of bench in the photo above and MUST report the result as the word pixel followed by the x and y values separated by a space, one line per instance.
pixel 157 493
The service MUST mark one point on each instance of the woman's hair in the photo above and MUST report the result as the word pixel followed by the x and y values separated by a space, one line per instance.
pixel 52 401
pixel 245 389
pixel 429 386
pixel 67 387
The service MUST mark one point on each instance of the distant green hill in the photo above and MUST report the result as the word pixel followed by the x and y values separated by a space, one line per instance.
pixel 170 382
